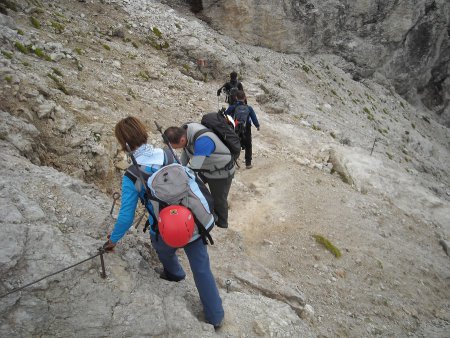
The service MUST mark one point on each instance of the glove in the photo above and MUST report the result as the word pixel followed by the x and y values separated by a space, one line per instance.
pixel 257 129
pixel 108 246
pixel 219 91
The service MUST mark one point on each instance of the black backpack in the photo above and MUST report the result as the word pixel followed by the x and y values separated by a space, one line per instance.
pixel 217 123
pixel 231 94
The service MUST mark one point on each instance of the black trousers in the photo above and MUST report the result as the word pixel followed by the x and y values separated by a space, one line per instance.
pixel 219 190
pixel 248 144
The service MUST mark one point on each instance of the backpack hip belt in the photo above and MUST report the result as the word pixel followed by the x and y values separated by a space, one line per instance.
pixel 227 167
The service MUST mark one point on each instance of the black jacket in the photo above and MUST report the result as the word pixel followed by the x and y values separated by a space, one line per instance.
pixel 228 87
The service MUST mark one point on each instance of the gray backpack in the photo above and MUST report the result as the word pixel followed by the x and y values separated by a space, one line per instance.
pixel 175 184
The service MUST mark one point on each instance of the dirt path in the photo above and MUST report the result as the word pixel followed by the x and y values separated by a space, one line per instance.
pixel 392 278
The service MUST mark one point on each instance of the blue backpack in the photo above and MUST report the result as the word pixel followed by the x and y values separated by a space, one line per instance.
pixel 241 115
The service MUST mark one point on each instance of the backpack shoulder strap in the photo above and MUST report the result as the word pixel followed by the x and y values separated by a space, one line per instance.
pixel 168 157
pixel 199 133
pixel 133 175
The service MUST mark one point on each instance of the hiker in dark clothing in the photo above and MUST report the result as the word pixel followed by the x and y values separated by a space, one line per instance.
pixel 230 88
pixel 211 158
pixel 244 115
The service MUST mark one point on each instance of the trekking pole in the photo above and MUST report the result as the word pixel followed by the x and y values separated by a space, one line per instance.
pixel 373 146
pixel 166 141
pixel 136 224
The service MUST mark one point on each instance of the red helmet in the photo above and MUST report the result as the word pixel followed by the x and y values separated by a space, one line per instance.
pixel 176 225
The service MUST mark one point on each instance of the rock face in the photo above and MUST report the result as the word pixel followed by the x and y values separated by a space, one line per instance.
pixel 403 41
pixel 69 70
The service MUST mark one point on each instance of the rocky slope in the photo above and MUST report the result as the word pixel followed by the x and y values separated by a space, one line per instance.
pixel 404 43
pixel 349 160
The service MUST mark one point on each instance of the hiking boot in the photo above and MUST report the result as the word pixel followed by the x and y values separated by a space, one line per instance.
pixel 218 326
pixel 248 166
pixel 163 275
pixel 222 226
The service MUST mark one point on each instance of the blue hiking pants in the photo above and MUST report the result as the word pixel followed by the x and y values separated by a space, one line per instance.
pixel 204 280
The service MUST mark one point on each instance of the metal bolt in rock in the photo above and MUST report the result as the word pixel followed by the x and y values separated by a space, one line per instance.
pixel 116 196
pixel 228 284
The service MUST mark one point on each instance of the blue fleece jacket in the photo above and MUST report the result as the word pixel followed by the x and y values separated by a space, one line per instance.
pixel 153 159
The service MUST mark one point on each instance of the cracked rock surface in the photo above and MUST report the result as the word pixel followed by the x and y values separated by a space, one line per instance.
pixel 349 160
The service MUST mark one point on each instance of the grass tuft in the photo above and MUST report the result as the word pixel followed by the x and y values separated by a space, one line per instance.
pixel 58 83
pixel 35 22
pixel 40 53
pixel 144 74
pixel 157 32
pixel 9 4
pixel 21 47
pixel 57 71
pixel 59 27
pixel 7 55
pixel 328 245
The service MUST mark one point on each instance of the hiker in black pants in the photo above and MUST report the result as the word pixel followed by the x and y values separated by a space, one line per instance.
pixel 244 115
pixel 231 88
pixel 211 158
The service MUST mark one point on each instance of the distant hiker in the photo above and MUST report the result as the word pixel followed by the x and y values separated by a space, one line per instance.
pixel 230 88
pixel 210 157
pixel 244 115
pixel 131 131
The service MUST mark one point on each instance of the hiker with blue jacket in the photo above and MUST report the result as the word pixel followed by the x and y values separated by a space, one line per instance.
pixel 230 88
pixel 130 131
pixel 244 115
pixel 211 158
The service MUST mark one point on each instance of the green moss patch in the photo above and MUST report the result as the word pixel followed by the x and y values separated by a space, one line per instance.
pixel 22 48
pixel 328 245
pixel 7 55
pixel 157 32
pixel 59 27
pixel 40 53
pixel 35 22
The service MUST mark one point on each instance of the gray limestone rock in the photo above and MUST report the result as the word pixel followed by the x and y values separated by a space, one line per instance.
pixel 19 132
pixel 405 41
